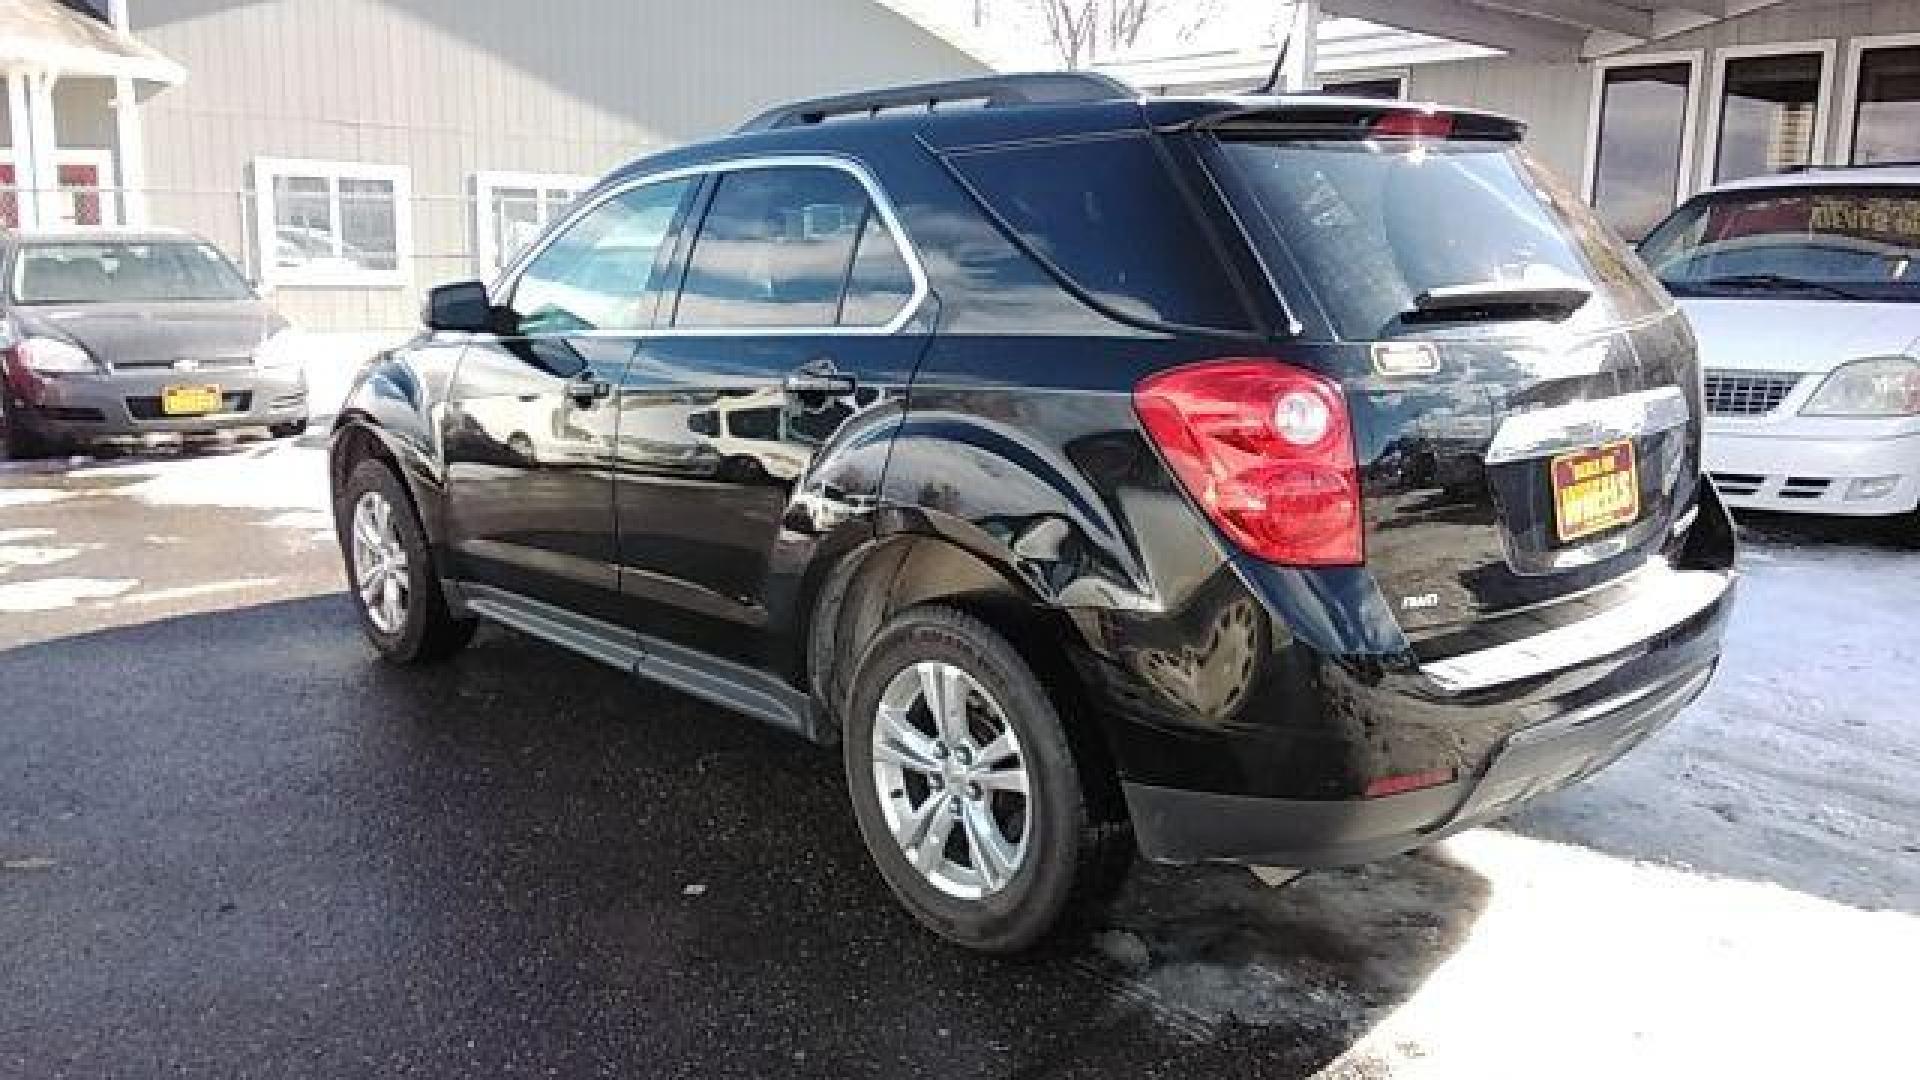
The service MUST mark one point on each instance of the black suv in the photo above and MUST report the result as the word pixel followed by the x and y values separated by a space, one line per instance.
pixel 1287 481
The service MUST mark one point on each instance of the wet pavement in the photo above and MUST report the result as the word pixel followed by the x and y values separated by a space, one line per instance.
pixel 232 844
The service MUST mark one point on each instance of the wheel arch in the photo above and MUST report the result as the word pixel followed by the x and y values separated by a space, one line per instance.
pixel 900 570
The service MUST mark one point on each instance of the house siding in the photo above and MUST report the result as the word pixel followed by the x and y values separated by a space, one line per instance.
pixel 1556 99
pixel 566 87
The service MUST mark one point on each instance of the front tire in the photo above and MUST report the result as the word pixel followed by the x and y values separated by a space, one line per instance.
pixel 390 571
pixel 966 788
pixel 16 442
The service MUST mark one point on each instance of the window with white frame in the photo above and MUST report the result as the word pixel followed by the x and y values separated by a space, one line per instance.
pixel 1640 139
pixel 1882 120
pixel 1770 109
pixel 511 209
pixel 333 223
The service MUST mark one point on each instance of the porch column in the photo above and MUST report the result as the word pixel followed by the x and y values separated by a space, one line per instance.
pixel 20 140
pixel 130 146
pixel 52 207
pixel 1303 49
pixel 129 135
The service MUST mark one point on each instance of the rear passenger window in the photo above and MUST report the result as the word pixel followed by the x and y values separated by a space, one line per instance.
pixel 880 284
pixel 1107 215
pixel 779 246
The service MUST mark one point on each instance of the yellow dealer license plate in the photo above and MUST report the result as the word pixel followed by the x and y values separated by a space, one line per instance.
pixel 1595 490
pixel 190 400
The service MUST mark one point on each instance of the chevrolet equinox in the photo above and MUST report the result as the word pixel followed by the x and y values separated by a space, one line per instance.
pixel 1284 481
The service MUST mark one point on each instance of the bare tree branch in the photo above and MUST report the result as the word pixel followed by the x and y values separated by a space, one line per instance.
pixel 1081 29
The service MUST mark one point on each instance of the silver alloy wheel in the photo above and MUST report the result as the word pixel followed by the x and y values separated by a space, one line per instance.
pixel 380 563
pixel 952 780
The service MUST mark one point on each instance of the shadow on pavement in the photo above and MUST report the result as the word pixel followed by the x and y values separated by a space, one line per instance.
pixel 269 852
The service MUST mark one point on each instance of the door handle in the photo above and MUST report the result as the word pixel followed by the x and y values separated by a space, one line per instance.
pixel 817 382
pixel 587 389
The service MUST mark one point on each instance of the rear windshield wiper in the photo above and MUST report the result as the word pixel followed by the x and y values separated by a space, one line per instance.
pixel 1774 281
pixel 1498 300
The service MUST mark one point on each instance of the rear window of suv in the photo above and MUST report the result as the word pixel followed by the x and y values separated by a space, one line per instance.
pixel 1103 213
pixel 1371 225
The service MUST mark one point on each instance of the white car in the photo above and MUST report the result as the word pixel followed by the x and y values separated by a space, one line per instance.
pixel 1804 290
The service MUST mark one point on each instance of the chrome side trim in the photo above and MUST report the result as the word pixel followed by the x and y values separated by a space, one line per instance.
pixel 1653 611
pixel 510 280
pixel 1545 432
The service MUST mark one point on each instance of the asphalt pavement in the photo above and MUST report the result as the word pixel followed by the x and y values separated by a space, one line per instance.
pixel 234 844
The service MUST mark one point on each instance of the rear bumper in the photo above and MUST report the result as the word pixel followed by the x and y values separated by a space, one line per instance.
pixel 1875 474
pixel 121 404
pixel 1180 826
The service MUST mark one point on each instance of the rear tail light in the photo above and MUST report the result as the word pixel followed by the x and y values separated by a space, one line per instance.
pixel 1267 451
pixel 1411 124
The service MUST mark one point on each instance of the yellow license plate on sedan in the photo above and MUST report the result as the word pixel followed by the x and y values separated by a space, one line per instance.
pixel 1595 490
pixel 190 400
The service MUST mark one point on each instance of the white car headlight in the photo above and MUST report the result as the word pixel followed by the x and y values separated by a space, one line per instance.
pixel 51 356
pixel 281 350
pixel 1881 386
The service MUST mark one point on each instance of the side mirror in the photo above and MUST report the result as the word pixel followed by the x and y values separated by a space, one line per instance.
pixel 460 308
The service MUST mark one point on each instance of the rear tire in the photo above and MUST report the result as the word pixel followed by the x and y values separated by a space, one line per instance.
pixel 390 571
pixel 980 824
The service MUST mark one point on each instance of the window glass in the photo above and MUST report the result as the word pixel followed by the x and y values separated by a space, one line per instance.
pixel 596 275
pixel 335 224
pixel 1358 219
pixel 368 229
pixel 517 215
pixel 1108 216
pixel 1643 118
pixel 880 284
pixel 1816 243
pixel 124 273
pixel 303 219
pixel 774 249
pixel 1388 88
pixel 1887 125
pixel 1768 114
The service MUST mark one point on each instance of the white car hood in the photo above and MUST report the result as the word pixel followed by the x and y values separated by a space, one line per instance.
pixel 1772 334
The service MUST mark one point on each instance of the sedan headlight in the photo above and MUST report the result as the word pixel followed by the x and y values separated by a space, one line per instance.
pixel 281 350
pixel 51 356
pixel 1881 386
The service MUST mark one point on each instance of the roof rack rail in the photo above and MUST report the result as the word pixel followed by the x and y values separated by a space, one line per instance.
pixel 994 91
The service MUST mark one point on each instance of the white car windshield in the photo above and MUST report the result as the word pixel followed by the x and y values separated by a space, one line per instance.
pixel 1816 242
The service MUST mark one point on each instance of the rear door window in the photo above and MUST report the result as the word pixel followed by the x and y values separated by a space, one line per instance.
pixel 1372 225
pixel 1105 214
pixel 793 246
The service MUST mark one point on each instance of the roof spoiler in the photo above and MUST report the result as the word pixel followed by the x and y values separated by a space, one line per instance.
pixel 992 92
pixel 1313 116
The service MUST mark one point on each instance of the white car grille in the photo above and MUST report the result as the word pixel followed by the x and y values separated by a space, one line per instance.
pixel 1747 393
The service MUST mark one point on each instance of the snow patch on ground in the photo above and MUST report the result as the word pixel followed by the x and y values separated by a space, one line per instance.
pixel 31 496
pixel 52 594
pixel 273 476
pixel 1586 966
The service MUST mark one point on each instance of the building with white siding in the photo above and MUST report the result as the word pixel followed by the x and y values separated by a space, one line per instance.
pixel 350 152
pixel 1641 102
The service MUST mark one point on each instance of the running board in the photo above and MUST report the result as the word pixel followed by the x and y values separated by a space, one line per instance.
pixel 702 675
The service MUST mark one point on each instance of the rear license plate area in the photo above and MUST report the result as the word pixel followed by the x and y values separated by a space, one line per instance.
pixel 1595 490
